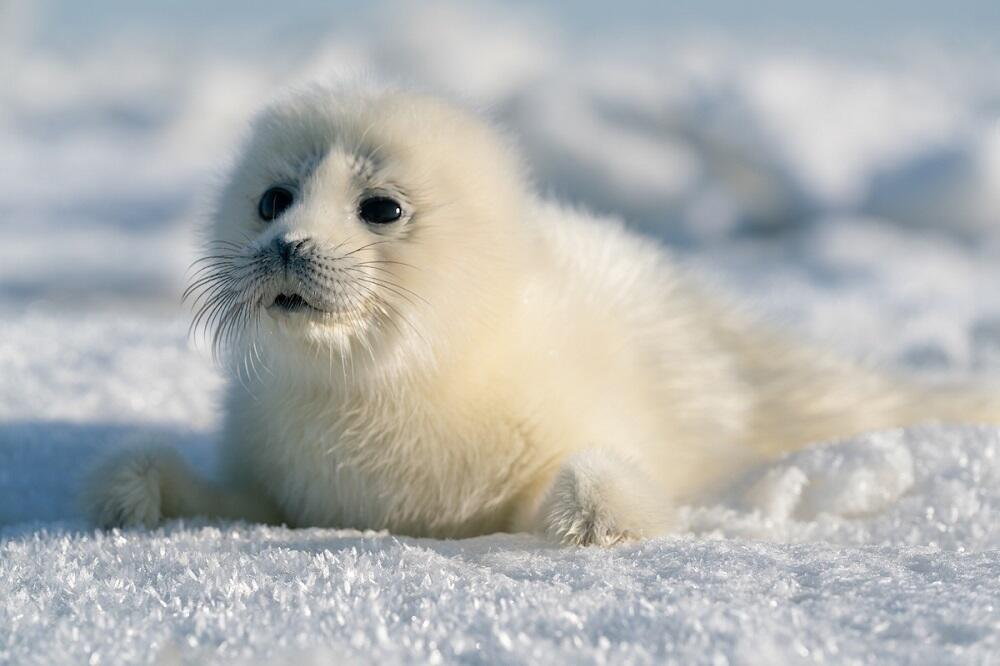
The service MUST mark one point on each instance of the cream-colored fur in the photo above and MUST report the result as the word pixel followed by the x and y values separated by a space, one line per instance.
pixel 490 362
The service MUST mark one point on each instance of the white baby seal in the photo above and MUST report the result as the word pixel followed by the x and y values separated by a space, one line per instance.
pixel 419 343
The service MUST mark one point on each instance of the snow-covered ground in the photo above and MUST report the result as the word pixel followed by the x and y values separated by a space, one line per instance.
pixel 845 186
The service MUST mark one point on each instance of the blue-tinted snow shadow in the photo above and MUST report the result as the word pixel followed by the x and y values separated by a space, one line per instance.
pixel 43 463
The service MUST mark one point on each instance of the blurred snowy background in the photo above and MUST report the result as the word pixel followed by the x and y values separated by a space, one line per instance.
pixel 835 166
pixel 825 137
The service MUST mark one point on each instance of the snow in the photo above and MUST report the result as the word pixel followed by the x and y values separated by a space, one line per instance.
pixel 222 593
pixel 849 194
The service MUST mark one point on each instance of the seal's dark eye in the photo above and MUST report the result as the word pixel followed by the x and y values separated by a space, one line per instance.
pixel 380 210
pixel 274 202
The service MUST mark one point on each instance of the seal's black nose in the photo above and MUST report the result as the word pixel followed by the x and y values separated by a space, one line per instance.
pixel 288 249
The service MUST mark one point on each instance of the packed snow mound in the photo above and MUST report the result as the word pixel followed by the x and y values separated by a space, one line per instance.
pixel 925 486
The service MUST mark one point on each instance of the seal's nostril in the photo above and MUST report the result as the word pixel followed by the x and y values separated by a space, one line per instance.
pixel 284 249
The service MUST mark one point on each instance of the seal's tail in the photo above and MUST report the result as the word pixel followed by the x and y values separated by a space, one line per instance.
pixel 804 396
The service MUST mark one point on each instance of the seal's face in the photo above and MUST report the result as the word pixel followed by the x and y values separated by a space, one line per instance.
pixel 355 223
pixel 313 250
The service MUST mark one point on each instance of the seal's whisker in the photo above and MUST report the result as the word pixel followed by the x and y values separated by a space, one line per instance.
pixel 251 353
pixel 387 287
pixel 364 247
pixel 208 263
pixel 206 273
pixel 368 262
pixel 218 301
pixel 210 257
pixel 355 320
pixel 383 303
pixel 376 268
pixel 218 312
pixel 230 326
pixel 206 285
pixel 222 242
pixel 397 289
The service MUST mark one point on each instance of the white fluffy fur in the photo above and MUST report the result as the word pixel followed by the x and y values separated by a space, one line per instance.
pixel 490 362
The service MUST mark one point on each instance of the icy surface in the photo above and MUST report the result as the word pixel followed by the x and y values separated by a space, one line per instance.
pixel 849 194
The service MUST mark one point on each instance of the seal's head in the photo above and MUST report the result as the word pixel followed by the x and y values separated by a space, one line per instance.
pixel 362 225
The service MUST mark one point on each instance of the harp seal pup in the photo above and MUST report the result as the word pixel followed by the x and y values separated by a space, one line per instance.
pixel 420 343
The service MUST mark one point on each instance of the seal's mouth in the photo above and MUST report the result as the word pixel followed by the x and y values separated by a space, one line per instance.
pixel 292 303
